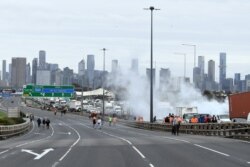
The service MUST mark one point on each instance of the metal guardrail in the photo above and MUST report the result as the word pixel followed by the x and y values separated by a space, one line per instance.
pixel 7 131
pixel 229 130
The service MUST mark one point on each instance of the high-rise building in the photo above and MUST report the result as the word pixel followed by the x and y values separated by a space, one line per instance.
pixel 222 67
pixel 18 72
pixel 164 78
pixel 9 78
pixel 81 68
pixel 134 66
pixel 4 78
pixel 42 60
pixel 211 71
pixel 68 76
pixel 34 70
pixel 90 69
pixel 237 82
pixel 148 73
pixel 43 77
pixel 28 77
pixel 114 69
pixel 197 77
pixel 201 64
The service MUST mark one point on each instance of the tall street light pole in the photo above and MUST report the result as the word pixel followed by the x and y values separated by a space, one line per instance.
pixel 103 106
pixel 151 8
pixel 194 51
pixel 184 54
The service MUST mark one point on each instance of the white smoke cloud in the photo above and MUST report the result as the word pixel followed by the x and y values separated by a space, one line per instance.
pixel 138 97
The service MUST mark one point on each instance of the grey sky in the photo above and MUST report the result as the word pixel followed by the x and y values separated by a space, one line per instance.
pixel 69 30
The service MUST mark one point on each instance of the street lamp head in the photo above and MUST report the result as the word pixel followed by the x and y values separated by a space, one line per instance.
pixel 151 8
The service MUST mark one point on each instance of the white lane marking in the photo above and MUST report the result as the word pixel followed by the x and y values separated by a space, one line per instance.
pixel 64 133
pixel 244 141
pixel 138 152
pixel 38 156
pixel 125 141
pixel 151 165
pixel 248 162
pixel 79 137
pixel 4 152
pixel 212 150
pixel 33 141
pixel 176 139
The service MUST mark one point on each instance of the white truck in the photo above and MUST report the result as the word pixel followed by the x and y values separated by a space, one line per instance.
pixel 75 105
pixel 186 112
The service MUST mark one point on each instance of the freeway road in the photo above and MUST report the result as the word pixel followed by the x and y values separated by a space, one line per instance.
pixel 71 141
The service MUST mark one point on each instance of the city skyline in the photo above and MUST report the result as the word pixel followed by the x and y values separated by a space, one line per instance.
pixel 70 33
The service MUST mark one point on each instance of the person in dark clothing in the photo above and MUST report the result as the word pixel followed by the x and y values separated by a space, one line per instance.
pixel 39 122
pixel 47 123
pixel 44 122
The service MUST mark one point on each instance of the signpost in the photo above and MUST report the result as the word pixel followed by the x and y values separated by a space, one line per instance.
pixel 48 91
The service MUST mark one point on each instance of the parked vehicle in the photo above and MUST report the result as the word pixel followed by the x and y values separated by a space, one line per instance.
pixel 248 118
pixel 186 112
pixel 75 105
pixel 223 118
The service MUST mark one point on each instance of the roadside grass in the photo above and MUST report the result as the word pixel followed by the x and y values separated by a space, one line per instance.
pixel 4 120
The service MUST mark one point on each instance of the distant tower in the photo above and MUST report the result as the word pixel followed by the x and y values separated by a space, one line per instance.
pixel 114 66
pixel 28 78
pixel 81 67
pixel 18 72
pixel 4 78
pixel 134 66
pixel 222 68
pixel 211 71
pixel 164 78
pixel 34 70
pixel 90 69
pixel 42 60
pixel 201 64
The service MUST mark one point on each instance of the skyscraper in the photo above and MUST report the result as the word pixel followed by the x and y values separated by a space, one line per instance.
pixel 4 71
pixel 81 68
pixel 42 60
pixel 211 71
pixel 34 70
pixel 28 77
pixel 201 64
pixel 164 78
pixel 18 72
pixel 222 68
pixel 237 82
pixel 90 69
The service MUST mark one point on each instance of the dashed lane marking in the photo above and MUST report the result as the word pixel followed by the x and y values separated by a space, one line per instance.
pixel 4 151
pixel 206 148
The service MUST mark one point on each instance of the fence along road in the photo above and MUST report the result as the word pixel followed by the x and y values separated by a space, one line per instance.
pixel 72 141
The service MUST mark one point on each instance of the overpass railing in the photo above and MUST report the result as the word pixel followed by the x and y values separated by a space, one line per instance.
pixel 7 131
pixel 229 130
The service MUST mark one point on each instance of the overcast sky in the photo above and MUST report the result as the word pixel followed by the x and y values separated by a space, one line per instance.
pixel 69 30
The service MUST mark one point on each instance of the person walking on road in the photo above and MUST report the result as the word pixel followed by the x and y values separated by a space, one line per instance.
pixel 110 120
pixel 44 122
pixel 94 121
pixel 99 123
pixel 47 123
pixel 39 122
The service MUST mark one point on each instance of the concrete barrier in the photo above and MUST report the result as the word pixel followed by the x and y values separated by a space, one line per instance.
pixel 229 130
pixel 7 131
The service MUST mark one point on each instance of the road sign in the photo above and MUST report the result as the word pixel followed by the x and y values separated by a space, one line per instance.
pixel 48 91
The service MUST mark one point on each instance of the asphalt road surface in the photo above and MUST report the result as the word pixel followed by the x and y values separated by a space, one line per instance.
pixel 71 141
